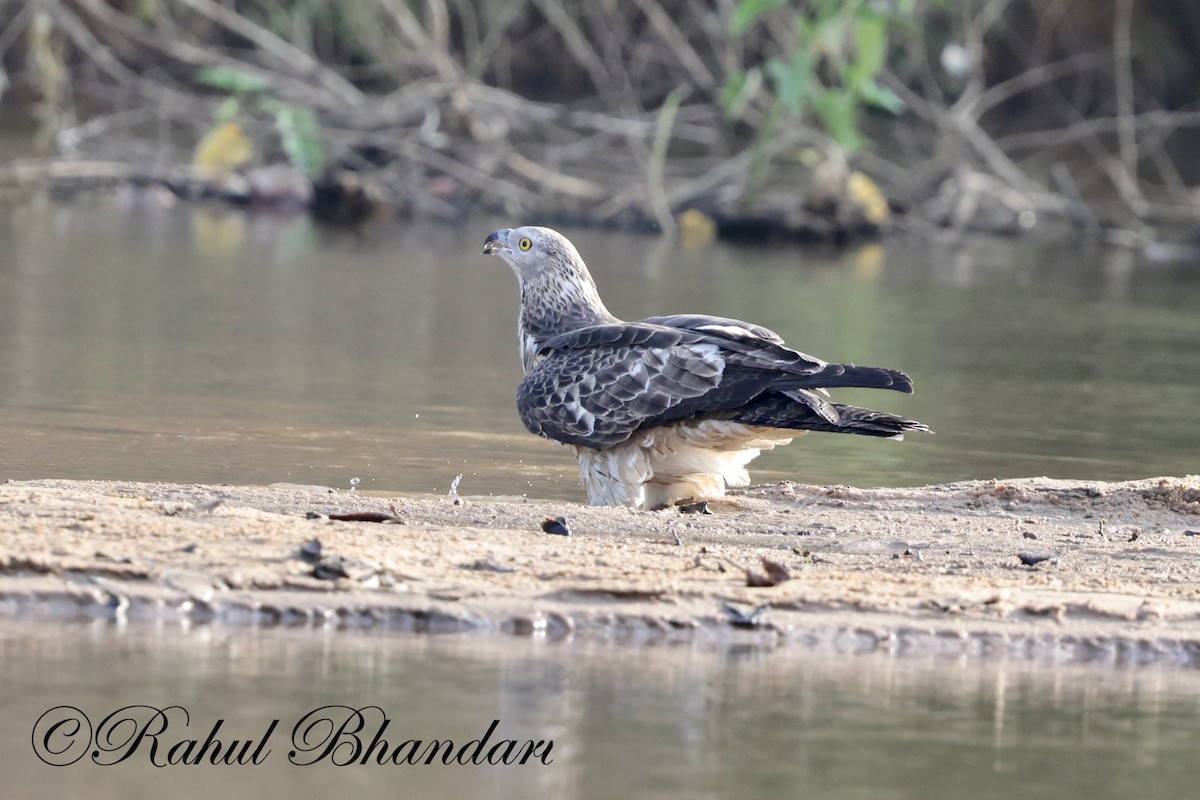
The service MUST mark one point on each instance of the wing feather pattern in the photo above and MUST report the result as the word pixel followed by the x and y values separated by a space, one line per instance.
pixel 704 322
pixel 596 386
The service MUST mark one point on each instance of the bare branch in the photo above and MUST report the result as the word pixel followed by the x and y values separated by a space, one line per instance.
pixel 419 38
pixel 118 26
pixel 577 43
pixel 1090 128
pixel 555 181
pixel 288 55
pixel 1126 129
pixel 678 43
pixel 1032 78
pixel 16 26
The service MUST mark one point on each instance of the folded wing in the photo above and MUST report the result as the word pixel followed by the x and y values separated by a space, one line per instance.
pixel 596 386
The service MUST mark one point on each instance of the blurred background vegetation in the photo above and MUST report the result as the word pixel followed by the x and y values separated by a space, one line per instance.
pixel 820 118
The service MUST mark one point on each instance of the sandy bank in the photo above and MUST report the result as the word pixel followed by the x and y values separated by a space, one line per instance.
pixel 934 567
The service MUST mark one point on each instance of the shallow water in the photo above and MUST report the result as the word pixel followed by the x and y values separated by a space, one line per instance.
pixel 663 722
pixel 206 345
pixel 189 345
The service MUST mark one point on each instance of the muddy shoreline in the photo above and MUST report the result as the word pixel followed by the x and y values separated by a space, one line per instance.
pixel 927 569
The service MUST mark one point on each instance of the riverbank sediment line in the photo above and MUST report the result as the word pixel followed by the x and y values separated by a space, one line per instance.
pixel 1071 569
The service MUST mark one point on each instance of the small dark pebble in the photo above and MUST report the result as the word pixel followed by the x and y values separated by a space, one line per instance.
pixel 1133 537
pixel 1191 533
pixel 489 564
pixel 366 516
pixel 776 574
pixel 1029 535
pixel 556 526
pixel 330 569
pixel 739 619
pixel 189 548
pixel 310 551
pixel 700 507
pixel 756 580
pixel 1029 559
pixel 776 571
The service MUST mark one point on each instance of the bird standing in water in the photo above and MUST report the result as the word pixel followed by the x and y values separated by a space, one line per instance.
pixel 668 409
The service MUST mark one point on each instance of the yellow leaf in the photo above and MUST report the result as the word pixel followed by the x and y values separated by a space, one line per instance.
pixel 863 191
pixel 226 147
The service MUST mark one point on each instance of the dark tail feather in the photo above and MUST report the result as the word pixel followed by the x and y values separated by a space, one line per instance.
pixel 849 376
pixel 778 411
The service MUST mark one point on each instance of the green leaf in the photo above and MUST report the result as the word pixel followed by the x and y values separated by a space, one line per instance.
pixel 878 96
pixel 870 49
pixel 838 112
pixel 298 133
pixel 147 11
pixel 265 104
pixel 829 37
pixel 739 90
pixel 748 12
pixel 232 80
pixel 791 80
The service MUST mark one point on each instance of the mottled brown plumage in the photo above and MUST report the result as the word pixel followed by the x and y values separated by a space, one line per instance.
pixel 669 408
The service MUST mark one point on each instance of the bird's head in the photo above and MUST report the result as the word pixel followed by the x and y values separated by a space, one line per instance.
pixel 557 291
pixel 532 251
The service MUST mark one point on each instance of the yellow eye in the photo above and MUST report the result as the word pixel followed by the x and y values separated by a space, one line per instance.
pixel 524 244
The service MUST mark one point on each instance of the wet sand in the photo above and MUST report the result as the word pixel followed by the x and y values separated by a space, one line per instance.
pixel 936 568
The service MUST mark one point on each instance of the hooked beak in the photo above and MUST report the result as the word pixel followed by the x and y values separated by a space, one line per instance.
pixel 495 243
